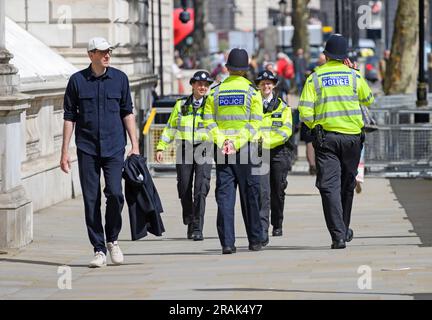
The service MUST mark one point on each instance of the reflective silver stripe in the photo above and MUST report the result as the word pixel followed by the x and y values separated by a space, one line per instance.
pixel 236 117
pixel 337 99
pixel 216 102
pixel 249 100
pixel 316 84
pixel 239 117
pixel 207 117
pixel 368 98
pixel 250 128
pixel 308 104
pixel 230 132
pixel 338 114
pixel 185 129
pixel 283 134
pixel 354 76
pixel 211 126
pixel 311 118
pixel 289 125
pixel 165 139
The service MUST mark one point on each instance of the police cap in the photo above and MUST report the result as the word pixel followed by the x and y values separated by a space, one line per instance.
pixel 201 76
pixel 266 75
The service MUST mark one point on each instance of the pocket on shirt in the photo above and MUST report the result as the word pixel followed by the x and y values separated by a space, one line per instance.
pixel 113 101
pixel 86 107
pixel 87 102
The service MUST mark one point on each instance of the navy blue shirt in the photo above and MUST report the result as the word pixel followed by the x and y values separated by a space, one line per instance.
pixel 97 106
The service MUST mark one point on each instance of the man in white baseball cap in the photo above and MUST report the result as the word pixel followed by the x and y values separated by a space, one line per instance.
pixel 99 43
pixel 98 106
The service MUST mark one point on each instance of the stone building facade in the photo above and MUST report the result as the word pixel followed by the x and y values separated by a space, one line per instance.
pixel 31 129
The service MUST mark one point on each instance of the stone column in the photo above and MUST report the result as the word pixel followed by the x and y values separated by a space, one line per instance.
pixel 16 214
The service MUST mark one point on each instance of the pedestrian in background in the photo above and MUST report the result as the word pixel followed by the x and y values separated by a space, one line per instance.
pixel 276 130
pixel 98 105
pixel 330 106
pixel 285 72
pixel 300 69
pixel 233 114
pixel 194 154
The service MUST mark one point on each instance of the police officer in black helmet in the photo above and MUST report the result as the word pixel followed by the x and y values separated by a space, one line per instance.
pixel 276 131
pixel 330 106
pixel 194 153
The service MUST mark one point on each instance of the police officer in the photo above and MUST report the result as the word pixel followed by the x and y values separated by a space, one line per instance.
pixel 233 114
pixel 194 155
pixel 276 130
pixel 330 105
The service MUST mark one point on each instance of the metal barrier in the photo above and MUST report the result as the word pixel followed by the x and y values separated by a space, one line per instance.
pixel 402 143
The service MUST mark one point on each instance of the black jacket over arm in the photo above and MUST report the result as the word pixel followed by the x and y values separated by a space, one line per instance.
pixel 142 198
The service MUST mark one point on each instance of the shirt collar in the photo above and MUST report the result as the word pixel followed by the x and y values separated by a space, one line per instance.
pixel 200 100
pixel 269 98
pixel 107 74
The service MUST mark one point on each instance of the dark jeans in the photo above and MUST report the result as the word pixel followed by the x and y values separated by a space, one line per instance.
pixel 89 172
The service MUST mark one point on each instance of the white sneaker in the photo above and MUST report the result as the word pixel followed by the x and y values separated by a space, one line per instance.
pixel 98 261
pixel 115 252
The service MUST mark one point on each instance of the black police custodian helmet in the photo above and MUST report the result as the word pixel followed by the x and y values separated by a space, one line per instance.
pixel 238 60
pixel 266 75
pixel 336 47
pixel 201 76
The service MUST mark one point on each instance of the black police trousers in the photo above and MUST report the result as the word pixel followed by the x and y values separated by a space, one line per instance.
pixel 337 159
pixel 193 172
pixel 273 183
pixel 89 168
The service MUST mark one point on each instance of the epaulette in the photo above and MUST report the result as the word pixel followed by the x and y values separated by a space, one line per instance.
pixel 253 86
pixel 309 78
pixel 211 88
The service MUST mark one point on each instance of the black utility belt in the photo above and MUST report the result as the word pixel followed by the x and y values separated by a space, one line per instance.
pixel 340 133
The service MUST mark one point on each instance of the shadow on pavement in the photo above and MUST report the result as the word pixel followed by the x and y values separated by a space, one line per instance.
pixel 170 239
pixel 304 291
pixel 416 296
pixel 56 264
pixel 415 196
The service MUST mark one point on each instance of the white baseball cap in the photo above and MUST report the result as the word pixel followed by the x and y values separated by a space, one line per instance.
pixel 99 43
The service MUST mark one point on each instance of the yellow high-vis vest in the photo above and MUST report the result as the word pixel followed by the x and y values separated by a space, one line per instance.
pixel 184 123
pixel 332 96
pixel 234 111
pixel 276 126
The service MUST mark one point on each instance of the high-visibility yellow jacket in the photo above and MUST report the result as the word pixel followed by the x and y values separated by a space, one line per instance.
pixel 184 123
pixel 332 96
pixel 276 126
pixel 234 111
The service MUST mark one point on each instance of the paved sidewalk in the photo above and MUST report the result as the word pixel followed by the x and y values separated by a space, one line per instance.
pixel 391 221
